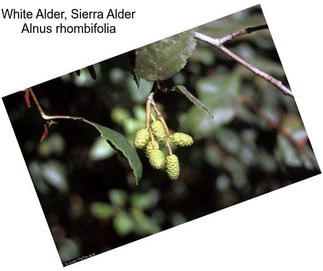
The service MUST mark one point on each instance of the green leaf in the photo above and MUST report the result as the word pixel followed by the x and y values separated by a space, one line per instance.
pixel 123 223
pixel 118 197
pixel 101 210
pixel 163 59
pixel 192 98
pixel 121 144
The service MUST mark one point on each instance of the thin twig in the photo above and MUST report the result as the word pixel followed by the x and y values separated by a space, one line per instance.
pixel 49 118
pixel 299 145
pixel 148 113
pixel 162 120
pixel 217 44
pixel 239 33
pixel 40 109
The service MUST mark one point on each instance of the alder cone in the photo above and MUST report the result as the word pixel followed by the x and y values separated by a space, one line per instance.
pixel 152 145
pixel 182 140
pixel 157 159
pixel 141 138
pixel 158 131
pixel 172 166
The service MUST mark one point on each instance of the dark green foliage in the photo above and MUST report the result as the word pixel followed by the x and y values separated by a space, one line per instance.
pixel 163 59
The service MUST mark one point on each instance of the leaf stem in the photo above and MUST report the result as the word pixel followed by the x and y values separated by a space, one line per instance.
pixel 152 116
pixel 48 120
pixel 148 113
pixel 162 120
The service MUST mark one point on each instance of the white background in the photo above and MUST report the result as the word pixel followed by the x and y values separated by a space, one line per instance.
pixel 278 231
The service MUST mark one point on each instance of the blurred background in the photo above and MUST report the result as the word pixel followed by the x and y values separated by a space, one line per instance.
pixel 86 188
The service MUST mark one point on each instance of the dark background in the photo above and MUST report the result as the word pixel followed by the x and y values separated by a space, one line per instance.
pixel 87 190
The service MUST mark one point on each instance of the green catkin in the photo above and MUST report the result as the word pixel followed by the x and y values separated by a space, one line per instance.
pixel 158 131
pixel 172 166
pixel 157 159
pixel 152 145
pixel 142 138
pixel 181 139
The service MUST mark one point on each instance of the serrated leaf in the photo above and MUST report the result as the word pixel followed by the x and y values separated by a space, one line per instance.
pixel 119 142
pixel 193 99
pixel 163 59
pixel 123 145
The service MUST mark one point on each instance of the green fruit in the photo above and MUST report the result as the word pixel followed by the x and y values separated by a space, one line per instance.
pixel 172 166
pixel 141 138
pixel 158 131
pixel 157 159
pixel 182 139
pixel 152 145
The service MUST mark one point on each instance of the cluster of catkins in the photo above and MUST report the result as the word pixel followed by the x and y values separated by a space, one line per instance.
pixel 154 154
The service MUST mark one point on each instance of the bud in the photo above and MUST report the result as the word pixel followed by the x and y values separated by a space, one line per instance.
pixel 152 145
pixel 158 131
pixel 141 138
pixel 182 139
pixel 157 159
pixel 172 166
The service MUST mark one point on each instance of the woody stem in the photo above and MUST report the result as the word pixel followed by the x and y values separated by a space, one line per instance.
pixel 148 113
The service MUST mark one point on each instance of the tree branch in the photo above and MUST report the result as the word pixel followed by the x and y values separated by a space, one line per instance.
pixel 239 33
pixel 217 44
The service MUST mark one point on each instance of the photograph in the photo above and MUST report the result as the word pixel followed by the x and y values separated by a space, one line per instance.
pixel 161 135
